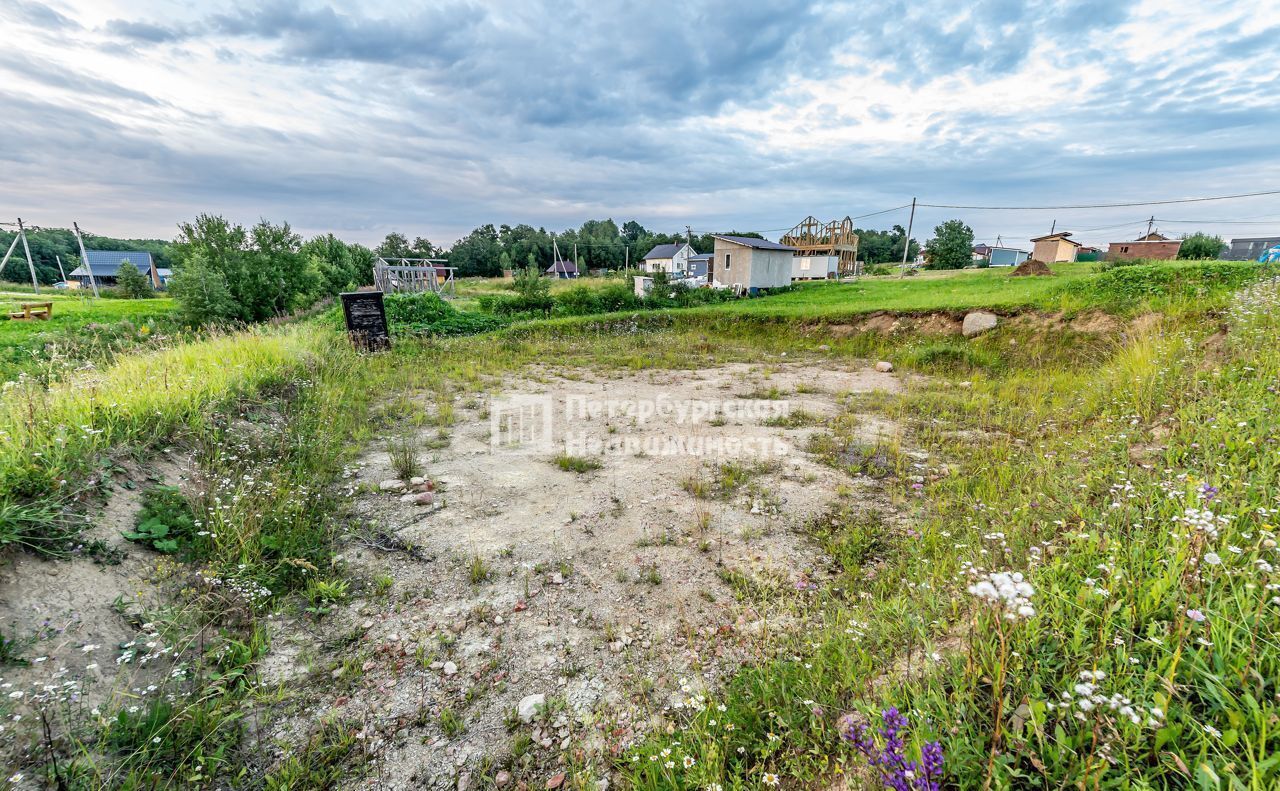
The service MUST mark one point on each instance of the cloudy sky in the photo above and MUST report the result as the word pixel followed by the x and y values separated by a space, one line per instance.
pixel 433 118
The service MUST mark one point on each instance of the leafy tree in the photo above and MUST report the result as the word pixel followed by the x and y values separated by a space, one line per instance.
pixel 883 247
pixel 477 253
pixel 422 248
pixel 396 245
pixel 1200 246
pixel 951 246
pixel 132 283
pixel 202 293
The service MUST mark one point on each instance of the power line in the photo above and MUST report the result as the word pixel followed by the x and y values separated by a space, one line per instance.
pixel 1100 205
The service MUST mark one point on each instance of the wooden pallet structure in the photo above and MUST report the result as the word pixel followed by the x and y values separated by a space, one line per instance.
pixel 812 237
pixel 414 276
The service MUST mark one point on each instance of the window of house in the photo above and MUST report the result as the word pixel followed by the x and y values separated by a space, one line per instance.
pixel 804 264
pixel 726 260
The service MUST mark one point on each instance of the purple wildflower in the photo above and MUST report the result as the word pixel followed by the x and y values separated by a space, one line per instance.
pixel 888 757
pixel 1208 492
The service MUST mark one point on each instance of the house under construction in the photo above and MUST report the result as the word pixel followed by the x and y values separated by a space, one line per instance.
pixel 823 250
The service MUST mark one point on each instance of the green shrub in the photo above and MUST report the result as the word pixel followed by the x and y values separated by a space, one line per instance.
pixel 1126 283
pixel 428 314
pixel 132 283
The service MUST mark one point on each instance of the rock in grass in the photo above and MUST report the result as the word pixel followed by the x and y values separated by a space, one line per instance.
pixel 978 322
pixel 417 480
pixel 423 498
pixel 884 367
pixel 555 781
pixel 502 779
pixel 528 706
pixel 392 485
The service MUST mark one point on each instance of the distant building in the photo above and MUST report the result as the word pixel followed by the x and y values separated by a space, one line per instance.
pixel 1006 256
pixel 1151 246
pixel 981 252
pixel 1055 248
pixel 562 269
pixel 697 266
pixel 105 266
pixel 1250 249
pixel 670 258
pixel 751 264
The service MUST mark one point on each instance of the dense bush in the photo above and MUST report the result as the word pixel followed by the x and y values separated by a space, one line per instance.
pixel 583 300
pixel 1128 282
pixel 428 314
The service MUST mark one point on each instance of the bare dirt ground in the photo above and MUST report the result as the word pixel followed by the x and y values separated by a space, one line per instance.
pixel 603 591
pixel 80 623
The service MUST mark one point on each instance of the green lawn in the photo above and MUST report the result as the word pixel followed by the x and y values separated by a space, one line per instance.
pixel 80 327
pixel 926 291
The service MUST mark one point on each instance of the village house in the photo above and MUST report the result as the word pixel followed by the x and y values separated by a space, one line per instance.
pixel 1152 246
pixel 105 266
pixel 670 258
pixel 698 265
pixel 750 264
pixel 1250 249
pixel 1055 248
pixel 562 270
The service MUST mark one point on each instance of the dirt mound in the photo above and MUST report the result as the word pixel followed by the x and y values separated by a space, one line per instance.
pixel 1031 267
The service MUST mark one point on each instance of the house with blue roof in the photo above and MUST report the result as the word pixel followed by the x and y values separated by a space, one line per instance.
pixel 105 266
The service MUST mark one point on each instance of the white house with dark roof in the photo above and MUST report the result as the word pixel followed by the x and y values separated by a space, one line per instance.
pixel 670 258
pixel 105 265
pixel 751 264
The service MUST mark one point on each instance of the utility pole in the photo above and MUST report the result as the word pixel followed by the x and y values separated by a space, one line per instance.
pixel 84 259
pixel 1149 224
pixel 27 249
pixel 906 243
pixel 626 258
pixel 1053 227
pixel 61 273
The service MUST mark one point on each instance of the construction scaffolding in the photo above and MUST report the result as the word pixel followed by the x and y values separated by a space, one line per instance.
pixel 414 275
pixel 812 237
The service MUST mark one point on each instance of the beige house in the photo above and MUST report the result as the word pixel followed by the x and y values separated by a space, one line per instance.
pixel 1054 248
pixel 751 264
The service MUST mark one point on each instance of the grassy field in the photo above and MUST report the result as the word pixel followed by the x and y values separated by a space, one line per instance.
pixel 1130 480
pixel 80 329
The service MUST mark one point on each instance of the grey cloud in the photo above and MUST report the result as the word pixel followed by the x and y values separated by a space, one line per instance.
pixel 145 32
pixel 38 14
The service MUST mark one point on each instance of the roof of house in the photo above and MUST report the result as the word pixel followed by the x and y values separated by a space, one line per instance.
pixel 700 257
pixel 106 263
pixel 565 267
pixel 1154 236
pixel 1061 235
pixel 664 251
pixel 751 241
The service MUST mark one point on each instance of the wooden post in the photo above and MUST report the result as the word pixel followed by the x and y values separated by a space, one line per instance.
pixel 84 258
pixel 27 249
pixel 13 246
pixel 61 272
pixel 906 243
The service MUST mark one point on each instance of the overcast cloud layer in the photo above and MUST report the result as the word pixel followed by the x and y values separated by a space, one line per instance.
pixel 360 118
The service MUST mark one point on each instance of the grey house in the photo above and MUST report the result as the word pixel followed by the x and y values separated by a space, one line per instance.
pixel 1250 249
pixel 105 265
pixel 750 264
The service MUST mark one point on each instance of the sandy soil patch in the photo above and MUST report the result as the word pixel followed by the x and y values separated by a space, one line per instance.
pixel 602 591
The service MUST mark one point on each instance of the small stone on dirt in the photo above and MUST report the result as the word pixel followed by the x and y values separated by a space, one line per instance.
pixel 392 485
pixel 417 480
pixel 884 367
pixel 557 579
pixel 528 707
pixel 450 668
pixel 502 779
pixel 555 781
pixel 422 498
pixel 978 322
